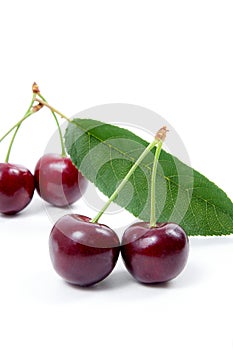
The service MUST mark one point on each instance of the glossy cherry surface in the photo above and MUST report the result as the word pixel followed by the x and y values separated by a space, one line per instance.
pixel 16 188
pixel 156 254
pixel 83 253
pixel 58 181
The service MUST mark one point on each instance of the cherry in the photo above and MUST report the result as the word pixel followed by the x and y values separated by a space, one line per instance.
pixel 82 252
pixel 16 188
pixel 58 181
pixel 154 254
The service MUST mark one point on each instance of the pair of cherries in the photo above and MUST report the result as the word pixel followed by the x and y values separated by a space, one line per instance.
pixel 56 179
pixel 84 252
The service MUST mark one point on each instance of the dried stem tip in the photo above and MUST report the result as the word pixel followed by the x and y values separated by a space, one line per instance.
pixel 35 88
pixel 37 107
pixel 161 134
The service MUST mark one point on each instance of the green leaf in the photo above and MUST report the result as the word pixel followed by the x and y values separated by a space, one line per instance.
pixel 104 154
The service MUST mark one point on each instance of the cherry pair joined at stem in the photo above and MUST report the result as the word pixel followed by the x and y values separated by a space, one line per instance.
pixel 56 179
pixel 152 252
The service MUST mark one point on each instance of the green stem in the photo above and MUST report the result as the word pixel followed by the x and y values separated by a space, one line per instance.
pixel 17 126
pixel 11 144
pixel 63 150
pixel 125 180
pixel 153 178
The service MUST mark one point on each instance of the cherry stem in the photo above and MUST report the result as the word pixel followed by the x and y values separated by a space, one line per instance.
pixel 16 125
pixel 29 112
pixel 53 109
pixel 125 180
pixel 63 150
pixel 160 137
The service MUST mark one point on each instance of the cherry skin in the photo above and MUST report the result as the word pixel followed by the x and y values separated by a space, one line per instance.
pixel 16 188
pixel 58 181
pixel 83 253
pixel 154 254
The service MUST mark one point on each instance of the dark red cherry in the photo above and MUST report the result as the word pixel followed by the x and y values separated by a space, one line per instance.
pixel 83 253
pixel 16 188
pixel 154 254
pixel 58 181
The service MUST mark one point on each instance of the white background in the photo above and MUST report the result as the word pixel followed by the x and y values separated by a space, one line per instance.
pixel 173 57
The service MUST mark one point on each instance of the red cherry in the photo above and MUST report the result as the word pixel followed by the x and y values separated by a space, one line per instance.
pixel 16 188
pixel 154 254
pixel 83 253
pixel 58 181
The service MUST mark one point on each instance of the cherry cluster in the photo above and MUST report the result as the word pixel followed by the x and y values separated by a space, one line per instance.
pixel 83 251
